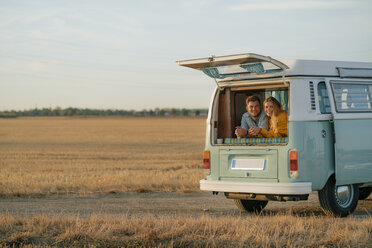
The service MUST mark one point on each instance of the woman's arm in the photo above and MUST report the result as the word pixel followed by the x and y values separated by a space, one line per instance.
pixel 281 129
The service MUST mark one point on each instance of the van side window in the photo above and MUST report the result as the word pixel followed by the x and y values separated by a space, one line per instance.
pixel 352 97
pixel 325 107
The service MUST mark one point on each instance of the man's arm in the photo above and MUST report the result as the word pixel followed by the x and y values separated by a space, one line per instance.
pixel 263 121
pixel 243 122
pixel 240 132
pixel 254 131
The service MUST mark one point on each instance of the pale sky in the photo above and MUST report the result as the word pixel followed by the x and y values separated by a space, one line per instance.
pixel 121 54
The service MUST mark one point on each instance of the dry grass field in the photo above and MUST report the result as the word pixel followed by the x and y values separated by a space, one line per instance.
pixel 72 158
pixel 41 156
pixel 241 231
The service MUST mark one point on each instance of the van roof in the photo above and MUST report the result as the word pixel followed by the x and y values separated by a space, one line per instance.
pixel 327 68
pixel 253 66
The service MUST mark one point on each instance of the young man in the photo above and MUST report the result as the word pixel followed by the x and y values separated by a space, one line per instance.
pixel 253 118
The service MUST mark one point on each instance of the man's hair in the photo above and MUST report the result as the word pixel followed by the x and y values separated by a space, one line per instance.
pixel 253 99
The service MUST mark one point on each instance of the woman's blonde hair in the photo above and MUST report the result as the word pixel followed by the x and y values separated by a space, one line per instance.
pixel 277 109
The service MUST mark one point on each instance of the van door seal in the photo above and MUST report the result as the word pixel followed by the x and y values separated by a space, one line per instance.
pixel 332 123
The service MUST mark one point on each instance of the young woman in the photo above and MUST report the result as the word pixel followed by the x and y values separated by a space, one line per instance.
pixel 278 120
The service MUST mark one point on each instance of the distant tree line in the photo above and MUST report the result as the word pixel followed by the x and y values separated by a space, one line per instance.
pixel 102 112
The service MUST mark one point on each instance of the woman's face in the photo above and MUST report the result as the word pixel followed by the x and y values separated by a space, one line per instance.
pixel 269 109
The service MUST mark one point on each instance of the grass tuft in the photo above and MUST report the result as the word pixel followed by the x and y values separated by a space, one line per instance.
pixel 277 230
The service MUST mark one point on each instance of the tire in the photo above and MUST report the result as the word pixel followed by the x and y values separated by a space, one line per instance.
pixel 364 192
pixel 250 205
pixel 338 200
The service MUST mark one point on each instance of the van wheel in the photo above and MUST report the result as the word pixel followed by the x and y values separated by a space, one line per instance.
pixel 364 192
pixel 339 200
pixel 250 205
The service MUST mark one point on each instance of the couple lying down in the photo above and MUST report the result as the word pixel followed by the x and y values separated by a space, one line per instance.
pixel 270 123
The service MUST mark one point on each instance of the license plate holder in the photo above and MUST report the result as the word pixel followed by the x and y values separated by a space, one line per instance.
pixel 255 164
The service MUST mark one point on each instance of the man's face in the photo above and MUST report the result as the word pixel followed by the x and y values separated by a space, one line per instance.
pixel 254 108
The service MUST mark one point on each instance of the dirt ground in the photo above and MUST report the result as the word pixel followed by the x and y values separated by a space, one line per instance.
pixel 157 204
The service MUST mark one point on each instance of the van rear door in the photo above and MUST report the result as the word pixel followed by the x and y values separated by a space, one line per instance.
pixel 351 106
pixel 237 67
pixel 236 59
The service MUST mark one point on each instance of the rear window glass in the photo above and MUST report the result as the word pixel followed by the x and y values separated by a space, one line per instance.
pixel 242 70
pixel 325 107
pixel 350 97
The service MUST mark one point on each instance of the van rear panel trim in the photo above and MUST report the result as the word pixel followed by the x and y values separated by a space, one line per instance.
pixel 256 187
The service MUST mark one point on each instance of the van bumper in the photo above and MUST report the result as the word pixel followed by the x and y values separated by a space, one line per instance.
pixel 257 188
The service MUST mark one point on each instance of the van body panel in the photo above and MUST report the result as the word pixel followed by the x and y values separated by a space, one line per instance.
pixel 315 152
pixel 352 125
pixel 353 151
pixel 300 100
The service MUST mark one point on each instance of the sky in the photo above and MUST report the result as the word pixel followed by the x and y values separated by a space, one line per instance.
pixel 121 54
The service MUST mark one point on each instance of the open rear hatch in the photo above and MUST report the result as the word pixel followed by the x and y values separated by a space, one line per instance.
pixel 231 70
pixel 237 67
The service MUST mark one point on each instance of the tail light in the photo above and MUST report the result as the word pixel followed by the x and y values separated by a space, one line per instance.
pixel 206 163
pixel 293 164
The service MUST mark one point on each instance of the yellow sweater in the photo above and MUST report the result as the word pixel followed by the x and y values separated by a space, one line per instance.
pixel 281 129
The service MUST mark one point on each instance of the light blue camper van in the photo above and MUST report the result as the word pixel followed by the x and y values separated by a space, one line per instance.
pixel 329 143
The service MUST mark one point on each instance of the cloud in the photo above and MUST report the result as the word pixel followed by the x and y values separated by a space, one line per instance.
pixel 37 66
pixel 5 68
pixel 116 21
pixel 297 5
pixel 193 4
pixel 25 18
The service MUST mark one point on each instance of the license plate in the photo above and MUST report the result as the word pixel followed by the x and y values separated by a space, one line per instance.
pixel 248 164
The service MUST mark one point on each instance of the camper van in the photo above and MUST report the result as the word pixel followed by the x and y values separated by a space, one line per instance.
pixel 328 146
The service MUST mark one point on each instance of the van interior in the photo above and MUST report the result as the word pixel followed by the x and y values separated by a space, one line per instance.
pixel 232 105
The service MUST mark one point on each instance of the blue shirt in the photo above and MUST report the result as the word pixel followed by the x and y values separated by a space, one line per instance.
pixel 248 122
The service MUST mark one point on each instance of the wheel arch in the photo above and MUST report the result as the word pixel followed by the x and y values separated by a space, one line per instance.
pixel 323 183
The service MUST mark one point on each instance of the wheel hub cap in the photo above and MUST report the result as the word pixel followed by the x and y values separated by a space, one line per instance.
pixel 344 195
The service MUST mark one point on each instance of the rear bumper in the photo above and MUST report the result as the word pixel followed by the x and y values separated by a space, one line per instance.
pixel 257 188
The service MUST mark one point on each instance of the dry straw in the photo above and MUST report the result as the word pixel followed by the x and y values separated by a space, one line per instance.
pixel 279 230
pixel 40 156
